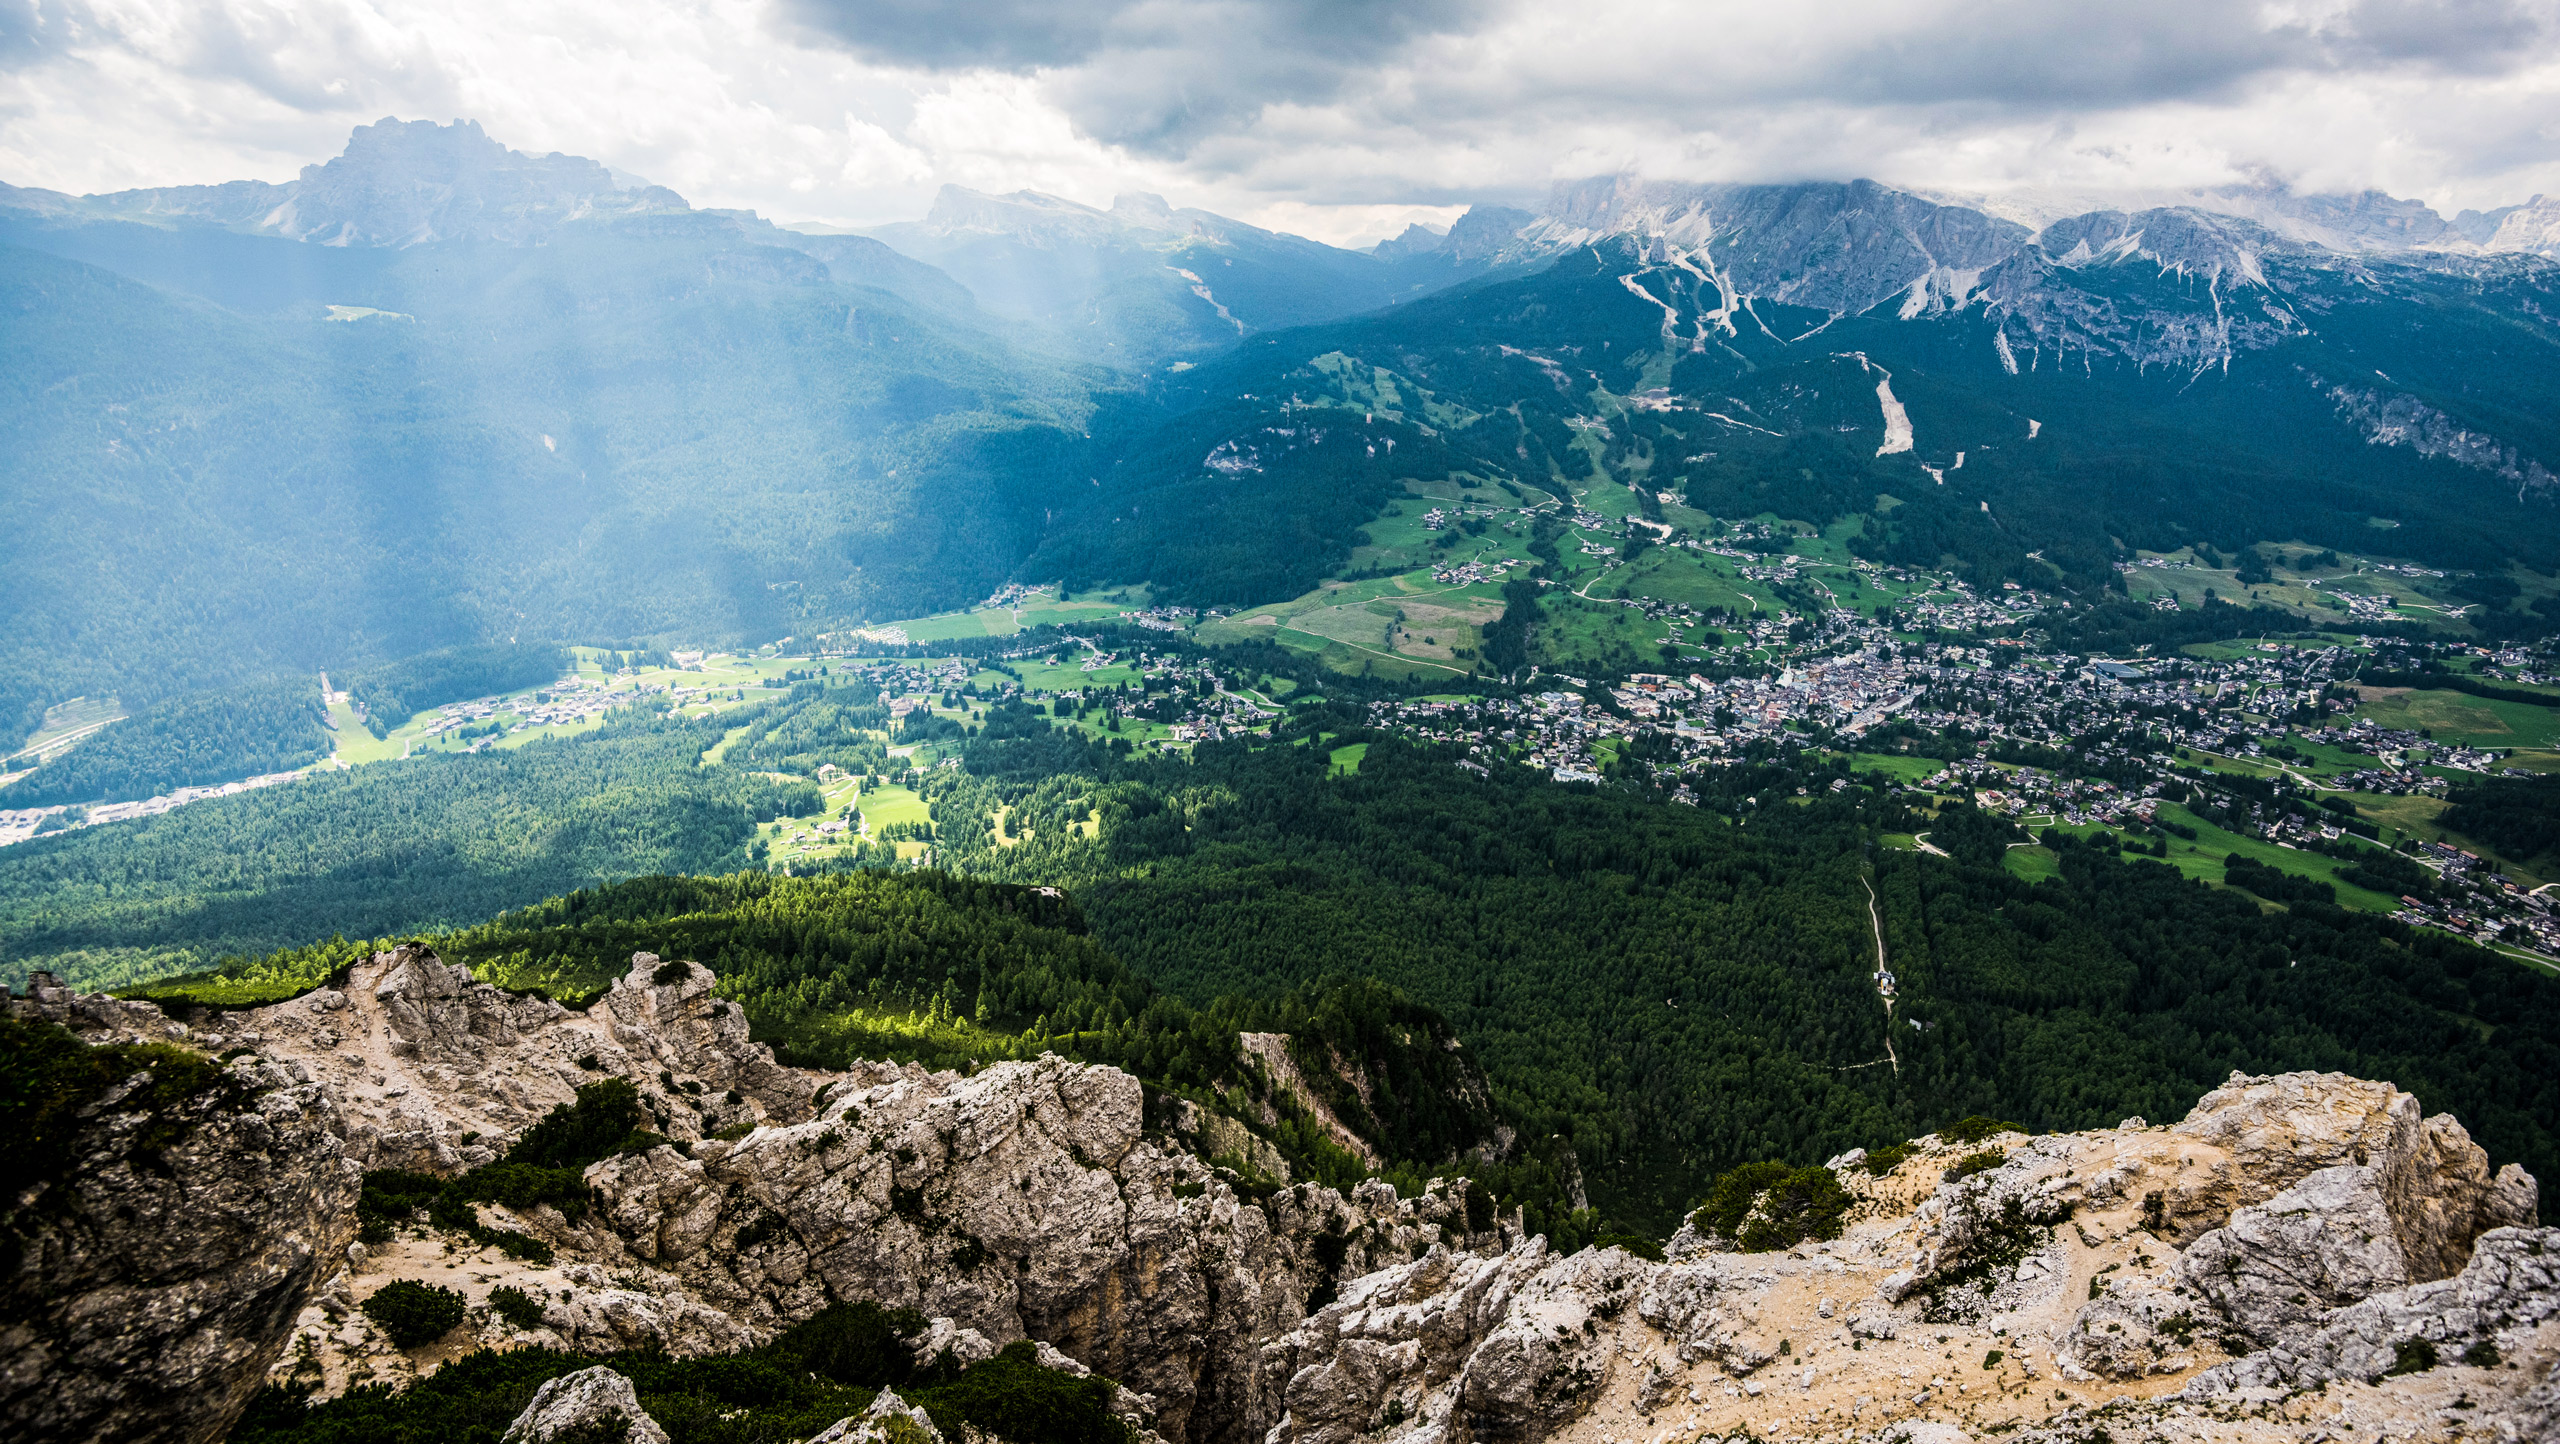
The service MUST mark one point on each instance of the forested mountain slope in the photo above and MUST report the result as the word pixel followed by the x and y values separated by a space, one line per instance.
pixel 642 426
pixel 2034 406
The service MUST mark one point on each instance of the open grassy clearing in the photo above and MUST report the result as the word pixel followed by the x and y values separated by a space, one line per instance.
pixel 1406 625
pixel 2203 857
pixel 2311 591
pixel 69 722
pixel 2416 817
pixel 756 678
pixel 1893 765
pixel 2462 719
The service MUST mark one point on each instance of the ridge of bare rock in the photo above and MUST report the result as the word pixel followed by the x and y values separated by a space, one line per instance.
pixel 2265 1269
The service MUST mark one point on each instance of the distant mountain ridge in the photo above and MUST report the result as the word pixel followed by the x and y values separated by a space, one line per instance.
pixel 1143 281
pixel 398 183
pixel 617 415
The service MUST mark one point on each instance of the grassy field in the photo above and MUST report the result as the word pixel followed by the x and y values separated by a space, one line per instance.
pixel 2462 719
pixel 1399 626
pixel 797 839
pixel 888 804
pixel 2310 591
pixel 2204 858
pixel 69 722
pixel 1894 765
pixel 2416 817
pixel 1040 608
pixel 757 678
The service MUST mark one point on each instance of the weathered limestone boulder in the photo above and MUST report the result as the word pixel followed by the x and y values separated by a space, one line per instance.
pixel 679 1027
pixel 889 1420
pixel 605 1315
pixel 587 1405
pixel 434 1071
pixel 2276 1131
pixel 1395 1342
pixel 2319 1190
pixel 157 1280
pixel 2323 1243
pixel 1544 1363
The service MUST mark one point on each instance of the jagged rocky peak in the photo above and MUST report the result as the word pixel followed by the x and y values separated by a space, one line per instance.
pixel 2182 239
pixel 1483 233
pixel 958 210
pixel 1043 219
pixel 1836 246
pixel 2303 1252
pixel 1415 239
pixel 405 183
pixel 398 183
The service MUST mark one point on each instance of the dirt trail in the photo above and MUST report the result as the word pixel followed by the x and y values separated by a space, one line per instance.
pixel 1884 990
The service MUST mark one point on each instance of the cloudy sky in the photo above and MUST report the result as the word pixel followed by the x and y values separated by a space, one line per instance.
pixel 1341 119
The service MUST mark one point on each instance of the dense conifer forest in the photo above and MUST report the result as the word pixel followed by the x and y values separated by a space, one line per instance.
pixel 1654 993
pixel 188 741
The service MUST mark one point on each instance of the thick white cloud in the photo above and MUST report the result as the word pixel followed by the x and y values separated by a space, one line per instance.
pixel 1324 116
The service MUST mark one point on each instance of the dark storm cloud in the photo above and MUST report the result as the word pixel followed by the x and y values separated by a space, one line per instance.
pixel 1156 75
pixel 1001 34
pixel 1161 76
pixel 2030 52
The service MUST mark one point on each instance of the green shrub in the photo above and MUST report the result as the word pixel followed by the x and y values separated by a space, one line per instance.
pixel 1763 1207
pixel 1012 1397
pixel 856 1343
pixel 1967 1132
pixel 670 973
pixel 1973 1163
pixel 48 1078
pixel 1881 1161
pixel 524 1186
pixel 47 1075
pixel 392 1197
pixel 807 1378
pixel 2411 1356
pixel 574 1135
pixel 515 1306
pixel 412 1313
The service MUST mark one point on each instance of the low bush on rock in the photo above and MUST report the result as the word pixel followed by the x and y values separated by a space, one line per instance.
pixel 546 1166
pixel 1762 1207
pixel 48 1079
pixel 411 1313
pixel 517 1307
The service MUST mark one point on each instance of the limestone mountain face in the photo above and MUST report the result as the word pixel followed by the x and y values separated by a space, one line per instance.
pixel 2302 1253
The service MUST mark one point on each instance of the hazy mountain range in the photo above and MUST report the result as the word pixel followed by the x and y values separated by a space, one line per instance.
pixel 436 390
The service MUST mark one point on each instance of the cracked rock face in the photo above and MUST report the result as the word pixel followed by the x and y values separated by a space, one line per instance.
pixel 436 1072
pixel 1023 1202
pixel 159 1279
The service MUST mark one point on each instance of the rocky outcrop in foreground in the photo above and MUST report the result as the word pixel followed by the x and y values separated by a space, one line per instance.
pixel 2303 1255
pixel 148 1288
